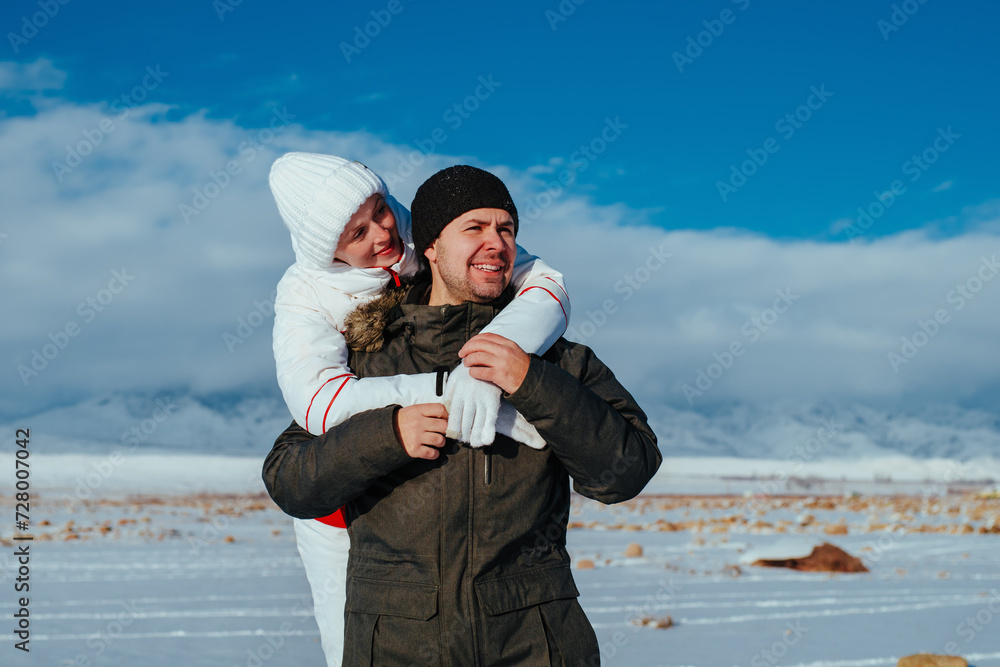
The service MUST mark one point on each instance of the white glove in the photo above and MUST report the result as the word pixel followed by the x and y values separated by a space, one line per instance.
pixel 511 423
pixel 472 408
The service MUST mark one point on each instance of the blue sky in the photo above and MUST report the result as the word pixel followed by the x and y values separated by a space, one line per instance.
pixel 559 80
pixel 661 136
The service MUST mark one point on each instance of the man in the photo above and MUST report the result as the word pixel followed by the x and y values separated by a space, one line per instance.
pixel 458 555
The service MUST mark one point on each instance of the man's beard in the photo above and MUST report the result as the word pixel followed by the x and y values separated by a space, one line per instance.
pixel 457 279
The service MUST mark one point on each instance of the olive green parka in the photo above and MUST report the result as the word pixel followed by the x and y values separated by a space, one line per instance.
pixel 461 561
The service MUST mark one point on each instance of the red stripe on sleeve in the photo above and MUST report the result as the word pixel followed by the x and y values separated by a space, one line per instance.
pixel 332 400
pixel 550 294
pixel 306 425
pixel 558 285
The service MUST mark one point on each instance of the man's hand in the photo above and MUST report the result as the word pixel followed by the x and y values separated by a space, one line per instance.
pixel 420 428
pixel 496 359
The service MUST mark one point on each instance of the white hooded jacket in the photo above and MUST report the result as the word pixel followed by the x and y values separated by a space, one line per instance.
pixel 310 310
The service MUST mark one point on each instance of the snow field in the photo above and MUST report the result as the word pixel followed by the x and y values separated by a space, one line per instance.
pixel 198 579
pixel 933 585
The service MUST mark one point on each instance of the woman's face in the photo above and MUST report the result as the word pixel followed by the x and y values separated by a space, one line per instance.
pixel 370 238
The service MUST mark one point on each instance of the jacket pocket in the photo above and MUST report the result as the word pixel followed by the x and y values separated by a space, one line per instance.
pixel 521 631
pixel 571 637
pixel 391 598
pixel 386 621
pixel 525 589
pixel 359 635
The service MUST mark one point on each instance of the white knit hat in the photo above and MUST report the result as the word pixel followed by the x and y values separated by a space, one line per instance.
pixel 316 197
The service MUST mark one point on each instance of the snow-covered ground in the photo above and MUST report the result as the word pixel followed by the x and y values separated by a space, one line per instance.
pixel 177 576
pixel 118 470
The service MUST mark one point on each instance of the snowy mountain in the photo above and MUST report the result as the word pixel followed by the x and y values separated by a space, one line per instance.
pixel 828 431
pixel 219 424
pixel 228 424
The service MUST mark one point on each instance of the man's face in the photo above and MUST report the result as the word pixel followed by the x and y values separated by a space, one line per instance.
pixel 473 258
pixel 370 238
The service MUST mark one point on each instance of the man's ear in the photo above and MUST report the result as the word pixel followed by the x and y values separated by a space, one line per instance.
pixel 431 252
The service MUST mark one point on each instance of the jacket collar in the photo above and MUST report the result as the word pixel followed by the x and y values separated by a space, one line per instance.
pixel 404 310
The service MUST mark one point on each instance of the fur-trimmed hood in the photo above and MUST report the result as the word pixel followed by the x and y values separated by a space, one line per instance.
pixel 367 324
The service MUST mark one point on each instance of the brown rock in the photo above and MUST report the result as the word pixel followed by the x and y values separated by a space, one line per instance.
pixel 585 564
pixel 633 550
pixel 928 660
pixel 824 558
pixel 653 622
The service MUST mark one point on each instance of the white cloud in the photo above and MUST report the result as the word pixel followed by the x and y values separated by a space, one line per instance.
pixel 34 77
pixel 119 208
pixel 839 225
pixel 943 186
pixel 850 306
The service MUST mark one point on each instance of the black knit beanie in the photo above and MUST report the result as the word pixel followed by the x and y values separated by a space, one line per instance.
pixel 450 193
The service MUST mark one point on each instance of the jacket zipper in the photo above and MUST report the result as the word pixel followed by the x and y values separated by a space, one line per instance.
pixel 488 465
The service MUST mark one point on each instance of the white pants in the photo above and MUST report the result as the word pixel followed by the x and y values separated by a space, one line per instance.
pixel 324 551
